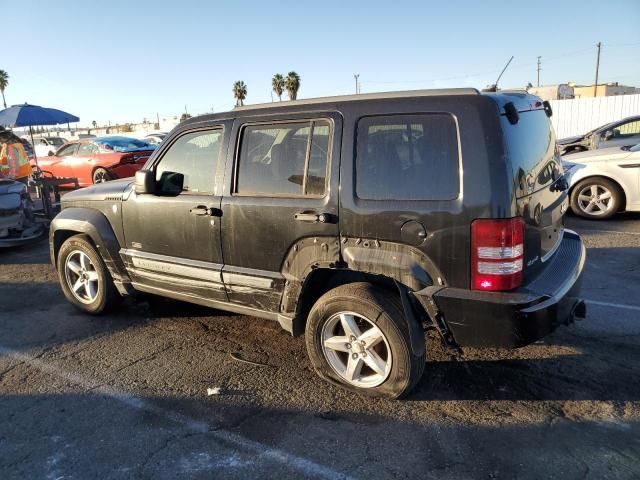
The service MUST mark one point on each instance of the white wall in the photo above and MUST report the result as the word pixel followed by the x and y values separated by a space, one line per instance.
pixel 578 116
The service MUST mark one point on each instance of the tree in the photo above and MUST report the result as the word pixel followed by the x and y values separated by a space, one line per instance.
pixel 4 83
pixel 94 123
pixel 529 85
pixel 239 92
pixel 184 116
pixel 292 83
pixel 277 83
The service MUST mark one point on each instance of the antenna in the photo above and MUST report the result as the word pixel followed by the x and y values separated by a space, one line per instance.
pixel 500 76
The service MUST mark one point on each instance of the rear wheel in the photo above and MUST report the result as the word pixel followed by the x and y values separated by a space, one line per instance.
pixel 596 198
pixel 357 337
pixel 101 175
pixel 84 278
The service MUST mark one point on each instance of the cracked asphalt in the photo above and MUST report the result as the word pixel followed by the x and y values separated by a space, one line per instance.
pixel 125 395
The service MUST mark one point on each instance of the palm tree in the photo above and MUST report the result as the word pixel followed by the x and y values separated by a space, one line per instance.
pixel 4 82
pixel 277 83
pixel 239 92
pixel 94 123
pixel 292 82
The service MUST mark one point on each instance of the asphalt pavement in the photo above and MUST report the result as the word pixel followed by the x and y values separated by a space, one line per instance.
pixel 125 395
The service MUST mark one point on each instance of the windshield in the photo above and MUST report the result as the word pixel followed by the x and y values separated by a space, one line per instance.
pixel 57 141
pixel 124 144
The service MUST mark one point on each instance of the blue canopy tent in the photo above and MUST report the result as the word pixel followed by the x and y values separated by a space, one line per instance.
pixel 31 115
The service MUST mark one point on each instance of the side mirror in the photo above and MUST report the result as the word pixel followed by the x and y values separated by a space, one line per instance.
pixel 608 135
pixel 145 182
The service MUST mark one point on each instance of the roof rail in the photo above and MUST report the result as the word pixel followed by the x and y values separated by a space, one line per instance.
pixel 364 96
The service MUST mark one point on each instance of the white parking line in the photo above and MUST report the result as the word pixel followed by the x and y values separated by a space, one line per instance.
pixel 302 465
pixel 614 305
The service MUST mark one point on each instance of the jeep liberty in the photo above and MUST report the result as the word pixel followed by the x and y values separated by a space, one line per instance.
pixel 358 221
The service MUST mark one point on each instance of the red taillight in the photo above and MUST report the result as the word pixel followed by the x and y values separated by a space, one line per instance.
pixel 497 253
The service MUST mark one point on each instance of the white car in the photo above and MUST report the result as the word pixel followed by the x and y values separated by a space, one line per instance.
pixel 603 182
pixel 47 145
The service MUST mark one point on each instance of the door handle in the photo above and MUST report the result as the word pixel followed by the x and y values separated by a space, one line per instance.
pixel 204 210
pixel 311 217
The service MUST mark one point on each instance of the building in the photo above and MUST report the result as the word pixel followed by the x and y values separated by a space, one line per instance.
pixel 562 91
pixel 604 90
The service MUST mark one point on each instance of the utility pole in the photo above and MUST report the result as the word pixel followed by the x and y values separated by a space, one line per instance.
pixel 595 87
pixel 539 71
pixel 357 76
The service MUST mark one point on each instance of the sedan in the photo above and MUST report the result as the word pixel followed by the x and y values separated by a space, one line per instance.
pixel 98 160
pixel 603 182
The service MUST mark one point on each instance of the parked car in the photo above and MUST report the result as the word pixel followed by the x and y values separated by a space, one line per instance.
pixel 45 146
pixel 155 138
pixel 98 160
pixel 622 133
pixel 604 181
pixel 18 225
pixel 359 221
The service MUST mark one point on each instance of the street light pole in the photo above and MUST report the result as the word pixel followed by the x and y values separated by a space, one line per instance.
pixel 357 76
pixel 595 86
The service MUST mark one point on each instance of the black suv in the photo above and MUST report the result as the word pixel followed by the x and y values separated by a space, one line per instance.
pixel 359 221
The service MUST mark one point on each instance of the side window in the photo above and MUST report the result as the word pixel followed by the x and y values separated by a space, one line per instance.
pixel 407 157
pixel 189 165
pixel 283 159
pixel 87 148
pixel 67 150
pixel 629 129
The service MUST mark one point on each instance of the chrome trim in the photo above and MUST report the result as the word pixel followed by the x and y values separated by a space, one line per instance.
pixel 169 266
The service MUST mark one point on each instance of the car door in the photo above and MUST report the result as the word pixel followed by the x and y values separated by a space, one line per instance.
pixel 172 236
pixel 280 208
pixel 84 161
pixel 60 164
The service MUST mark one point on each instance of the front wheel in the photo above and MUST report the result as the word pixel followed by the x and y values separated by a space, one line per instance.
pixel 596 198
pixel 357 337
pixel 84 278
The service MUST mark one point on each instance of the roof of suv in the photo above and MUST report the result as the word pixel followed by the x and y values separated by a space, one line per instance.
pixel 521 99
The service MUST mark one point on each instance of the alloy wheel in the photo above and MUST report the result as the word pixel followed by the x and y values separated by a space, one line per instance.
pixel 595 200
pixel 356 349
pixel 82 277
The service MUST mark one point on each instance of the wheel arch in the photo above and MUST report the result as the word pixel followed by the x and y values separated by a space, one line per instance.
pixel 322 280
pixel 76 220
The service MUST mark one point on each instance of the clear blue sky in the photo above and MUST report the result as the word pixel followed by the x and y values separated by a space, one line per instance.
pixel 125 60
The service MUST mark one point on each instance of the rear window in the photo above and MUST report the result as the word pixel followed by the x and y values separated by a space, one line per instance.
pixel 407 157
pixel 531 149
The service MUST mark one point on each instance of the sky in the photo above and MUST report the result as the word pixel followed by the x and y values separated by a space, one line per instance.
pixel 126 61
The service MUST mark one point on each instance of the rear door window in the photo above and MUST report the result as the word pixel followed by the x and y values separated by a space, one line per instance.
pixel 407 157
pixel 286 159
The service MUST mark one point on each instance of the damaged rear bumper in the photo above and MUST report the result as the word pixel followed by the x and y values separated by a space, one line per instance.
pixel 515 319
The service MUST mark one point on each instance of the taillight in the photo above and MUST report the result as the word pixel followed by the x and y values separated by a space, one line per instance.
pixel 497 253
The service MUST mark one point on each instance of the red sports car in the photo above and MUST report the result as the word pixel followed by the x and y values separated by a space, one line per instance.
pixel 98 160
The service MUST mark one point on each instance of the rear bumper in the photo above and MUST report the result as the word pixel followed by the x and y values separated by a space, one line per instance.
pixel 515 319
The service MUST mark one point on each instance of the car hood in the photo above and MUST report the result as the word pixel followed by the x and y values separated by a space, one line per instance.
pixel 569 140
pixel 601 155
pixel 113 190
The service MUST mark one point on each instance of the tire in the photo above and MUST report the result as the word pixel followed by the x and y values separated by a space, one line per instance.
pixel 81 266
pixel 596 198
pixel 371 308
pixel 101 175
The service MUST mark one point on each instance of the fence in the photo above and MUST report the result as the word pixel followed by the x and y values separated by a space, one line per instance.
pixel 578 116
